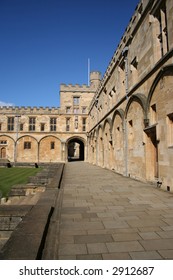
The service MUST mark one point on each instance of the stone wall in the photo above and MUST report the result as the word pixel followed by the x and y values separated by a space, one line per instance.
pixel 123 121
pixel 131 115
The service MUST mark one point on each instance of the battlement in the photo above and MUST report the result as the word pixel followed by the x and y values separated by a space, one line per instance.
pixel 95 77
pixel 28 109
pixel 76 87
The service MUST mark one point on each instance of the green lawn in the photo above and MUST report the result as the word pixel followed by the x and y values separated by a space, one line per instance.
pixel 13 176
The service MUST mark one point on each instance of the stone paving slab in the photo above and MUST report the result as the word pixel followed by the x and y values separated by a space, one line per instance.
pixel 107 216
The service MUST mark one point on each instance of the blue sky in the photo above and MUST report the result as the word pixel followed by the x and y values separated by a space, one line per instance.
pixel 44 43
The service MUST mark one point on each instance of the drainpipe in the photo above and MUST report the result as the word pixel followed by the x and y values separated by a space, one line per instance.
pixel 17 133
pixel 125 55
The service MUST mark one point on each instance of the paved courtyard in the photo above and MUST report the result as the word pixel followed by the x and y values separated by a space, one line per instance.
pixel 106 216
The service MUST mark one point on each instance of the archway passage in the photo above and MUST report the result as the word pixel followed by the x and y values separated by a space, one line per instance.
pixel 75 150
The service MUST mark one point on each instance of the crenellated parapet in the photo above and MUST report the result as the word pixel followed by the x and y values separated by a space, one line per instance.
pixel 76 87
pixel 95 78
pixel 28 110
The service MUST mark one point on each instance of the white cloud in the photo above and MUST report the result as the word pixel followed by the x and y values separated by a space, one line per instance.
pixel 6 104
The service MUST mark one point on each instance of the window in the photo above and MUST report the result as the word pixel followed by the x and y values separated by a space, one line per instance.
pixel 140 9
pixel 52 145
pixel 153 113
pixel 3 142
pixel 32 122
pixel 10 125
pixel 42 126
pixel 27 145
pixel 84 110
pixel 76 100
pixel 68 109
pixel 161 18
pixel 83 124
pixel 21 127
pixel 170 130
pixel 76 110
pixel 52 124
pixel 67 124
pixel 134 70
pixel 134 62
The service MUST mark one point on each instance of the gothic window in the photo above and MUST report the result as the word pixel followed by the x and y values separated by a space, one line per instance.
pixel 27 145
pixel 52 124
pixel 32 122
pixel 10 125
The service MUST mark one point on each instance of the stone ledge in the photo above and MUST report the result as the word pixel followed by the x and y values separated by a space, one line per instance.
pixel 28 239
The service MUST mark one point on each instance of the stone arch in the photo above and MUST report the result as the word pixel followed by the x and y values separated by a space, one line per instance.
pixel 165 71
pixel 27 135
pixel 76 148
pixel 89 151
pixel 100 146
pixel 159 127
pixel 7 150
pixel 95 138
pixel 107 142
pixel 109 121
pixel 93 146
pixel 118 140
pixel 7 136
pixel 49 149
pixel 119 112
pixel 26 149
pixel 140 98
pixel 134 150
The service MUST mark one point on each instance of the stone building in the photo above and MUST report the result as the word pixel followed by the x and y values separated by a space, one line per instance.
pixel 122 121
pixel 131 115
pixel 48 134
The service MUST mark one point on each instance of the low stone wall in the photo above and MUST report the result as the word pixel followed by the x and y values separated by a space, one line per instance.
pixel 28 238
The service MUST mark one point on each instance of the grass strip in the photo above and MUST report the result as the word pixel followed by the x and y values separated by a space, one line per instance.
pixel 13 176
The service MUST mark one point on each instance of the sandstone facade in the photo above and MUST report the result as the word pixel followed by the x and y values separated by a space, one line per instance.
pixel 123 121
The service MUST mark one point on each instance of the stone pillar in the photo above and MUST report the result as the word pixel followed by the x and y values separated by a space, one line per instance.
pixel 63 151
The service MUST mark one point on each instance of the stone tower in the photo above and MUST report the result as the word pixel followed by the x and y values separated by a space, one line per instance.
pixel 95 78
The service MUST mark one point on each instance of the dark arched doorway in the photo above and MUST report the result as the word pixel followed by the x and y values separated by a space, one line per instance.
pixel 75 150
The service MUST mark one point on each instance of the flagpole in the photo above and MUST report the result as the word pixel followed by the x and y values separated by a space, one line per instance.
pixel 88 71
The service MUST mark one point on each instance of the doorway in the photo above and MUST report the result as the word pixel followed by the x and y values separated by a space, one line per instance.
pixel 152 153
pixel 75 150
pixel 3 153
